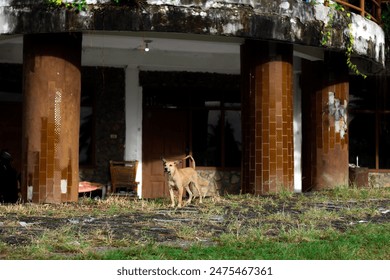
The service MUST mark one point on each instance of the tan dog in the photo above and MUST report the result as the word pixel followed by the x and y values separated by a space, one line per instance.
pixel 181 179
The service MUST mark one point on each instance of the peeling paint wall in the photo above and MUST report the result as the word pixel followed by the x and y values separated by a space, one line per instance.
pixel 337 112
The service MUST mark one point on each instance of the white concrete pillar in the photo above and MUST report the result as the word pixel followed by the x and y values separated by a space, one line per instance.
pixel 133 102
pixel 297 127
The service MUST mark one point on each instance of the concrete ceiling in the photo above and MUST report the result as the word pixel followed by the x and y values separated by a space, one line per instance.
pixel 168 51
pixel 11 46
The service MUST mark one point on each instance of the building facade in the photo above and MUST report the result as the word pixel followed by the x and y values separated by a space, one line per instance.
pixel 257 91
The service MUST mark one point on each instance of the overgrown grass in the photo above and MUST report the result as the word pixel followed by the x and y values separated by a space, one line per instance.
pixel 285 226
pixel 363 242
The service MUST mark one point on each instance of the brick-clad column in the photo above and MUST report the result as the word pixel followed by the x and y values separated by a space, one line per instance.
pixel 52 85
pixel 267 117
pixel 325 134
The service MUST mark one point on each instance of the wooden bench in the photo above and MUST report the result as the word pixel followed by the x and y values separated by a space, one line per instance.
pixel 123 175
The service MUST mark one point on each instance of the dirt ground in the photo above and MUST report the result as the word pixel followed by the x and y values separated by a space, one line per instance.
pixel 204 223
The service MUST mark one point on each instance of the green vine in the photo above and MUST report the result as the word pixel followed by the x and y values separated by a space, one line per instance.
pixel 79 5
pixel 327 34
pixel 348 52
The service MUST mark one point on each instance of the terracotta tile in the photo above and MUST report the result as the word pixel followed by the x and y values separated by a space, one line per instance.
pixel 42 164
pixel 279 135
pixel 50 129
pixel 337 139
pixel 35 179
pixel 258 130
pixel 265 175
pixel 272 186
pixel 50 171
pixel 266 163
pixel 272 126
pixel 265 186
pixel 265 99
pixel 285 142
pixel 279 147
pixel 285 153
pixel 265 149
pixel 279 163
pixel 42 194
pixel 70 178
pixel 44 150
pixel 286 168
pixel 42 178
pixel 50 144
pixel 36 170
pixel 43 136
pixel 279 121
pixel 266 119
pixel 272 167
pixel 43 123
pixel 64 173
pixel 272 142
pixel 258 171
pixel 50 160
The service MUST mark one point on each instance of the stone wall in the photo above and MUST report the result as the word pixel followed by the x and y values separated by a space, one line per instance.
pixel 379 179
pixel 227 181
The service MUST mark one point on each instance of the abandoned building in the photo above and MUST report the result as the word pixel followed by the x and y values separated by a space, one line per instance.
pixel 258 91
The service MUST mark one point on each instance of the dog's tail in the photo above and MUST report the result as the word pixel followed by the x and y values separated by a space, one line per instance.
pixel 192 159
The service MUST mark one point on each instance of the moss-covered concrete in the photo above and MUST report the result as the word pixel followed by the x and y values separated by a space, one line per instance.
pixel 292 21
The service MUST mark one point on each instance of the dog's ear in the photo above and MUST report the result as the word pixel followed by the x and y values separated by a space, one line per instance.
pixel 163 159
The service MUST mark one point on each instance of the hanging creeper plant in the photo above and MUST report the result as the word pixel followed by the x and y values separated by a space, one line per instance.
pixel 349 49
pixel 327 33
pixel 80 5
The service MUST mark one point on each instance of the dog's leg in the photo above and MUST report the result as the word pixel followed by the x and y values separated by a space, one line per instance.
pixel 180 198
pixel 197 187
pixel 172 197
pixel 190 195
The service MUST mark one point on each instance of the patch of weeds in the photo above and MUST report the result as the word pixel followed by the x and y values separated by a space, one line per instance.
pixel 319 215
pixel 346 193
pixel 235 226
pixel 285 193
pixel 240 227
pixel 186 232
pixel 51 245
pixel 65 240
pixel 280 217
pixel 359 213
pixel 102 236
pixel 3 249
pixel 305 233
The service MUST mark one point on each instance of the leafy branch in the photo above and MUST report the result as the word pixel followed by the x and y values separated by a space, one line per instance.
pixel 80 5
pixel 327 33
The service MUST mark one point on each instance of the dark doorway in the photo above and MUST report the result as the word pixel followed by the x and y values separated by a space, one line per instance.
pixel 189 113
pixel 164 134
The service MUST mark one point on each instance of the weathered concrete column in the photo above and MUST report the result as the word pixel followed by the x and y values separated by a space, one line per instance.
pixel 267 117
pixel 325 91
pixel 51 122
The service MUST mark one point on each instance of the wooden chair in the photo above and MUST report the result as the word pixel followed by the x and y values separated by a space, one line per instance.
pixel 123 176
